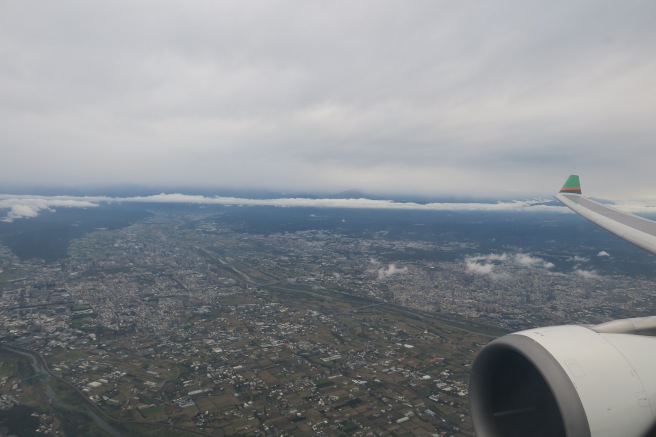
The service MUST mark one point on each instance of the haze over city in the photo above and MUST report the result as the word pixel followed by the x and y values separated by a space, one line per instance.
pixel 427 98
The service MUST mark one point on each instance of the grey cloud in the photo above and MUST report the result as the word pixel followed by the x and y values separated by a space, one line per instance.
pixel 427 97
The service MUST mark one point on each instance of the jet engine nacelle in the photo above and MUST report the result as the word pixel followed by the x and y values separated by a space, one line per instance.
pixel 565 381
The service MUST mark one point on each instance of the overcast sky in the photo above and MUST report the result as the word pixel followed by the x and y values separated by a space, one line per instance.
pixel 476 98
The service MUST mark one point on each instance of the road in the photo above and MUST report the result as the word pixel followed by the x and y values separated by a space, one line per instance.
pixel 41 367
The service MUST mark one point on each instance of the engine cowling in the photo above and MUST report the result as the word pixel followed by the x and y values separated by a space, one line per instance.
pixel 565 381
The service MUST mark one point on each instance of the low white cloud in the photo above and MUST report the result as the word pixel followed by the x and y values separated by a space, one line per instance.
pixel 587 274
pixel 479 268
pixel 391 270
pixel 581 259
pixel 488 265
pixel 29 206
pixel 603 253
pixel 360 203
pixel 21 211
pixel 490 257
pixel 532 261
pixel 26 207
pixel 484 264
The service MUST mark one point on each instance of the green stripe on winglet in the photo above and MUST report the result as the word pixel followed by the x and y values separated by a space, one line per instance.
pixel 572 185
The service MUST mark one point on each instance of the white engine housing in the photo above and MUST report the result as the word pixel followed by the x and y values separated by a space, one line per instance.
pixel 565 381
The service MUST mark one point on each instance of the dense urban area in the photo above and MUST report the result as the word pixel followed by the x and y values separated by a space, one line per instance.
pixel 189 323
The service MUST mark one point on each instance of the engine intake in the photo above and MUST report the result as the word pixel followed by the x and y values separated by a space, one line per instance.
pixel 570 381
pixel 517 389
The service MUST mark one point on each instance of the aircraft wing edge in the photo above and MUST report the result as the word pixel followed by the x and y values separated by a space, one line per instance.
pixel 641 239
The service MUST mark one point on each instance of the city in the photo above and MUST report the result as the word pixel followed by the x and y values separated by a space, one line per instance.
pixel 190 322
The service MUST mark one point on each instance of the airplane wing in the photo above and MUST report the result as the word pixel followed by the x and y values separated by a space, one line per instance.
pixel 572 380
pixel 634 229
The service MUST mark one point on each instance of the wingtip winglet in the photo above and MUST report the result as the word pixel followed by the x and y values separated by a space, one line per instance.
pixel 572 185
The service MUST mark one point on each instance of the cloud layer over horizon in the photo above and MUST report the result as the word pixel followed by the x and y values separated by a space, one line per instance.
pixel 427 97
pixel 26 206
